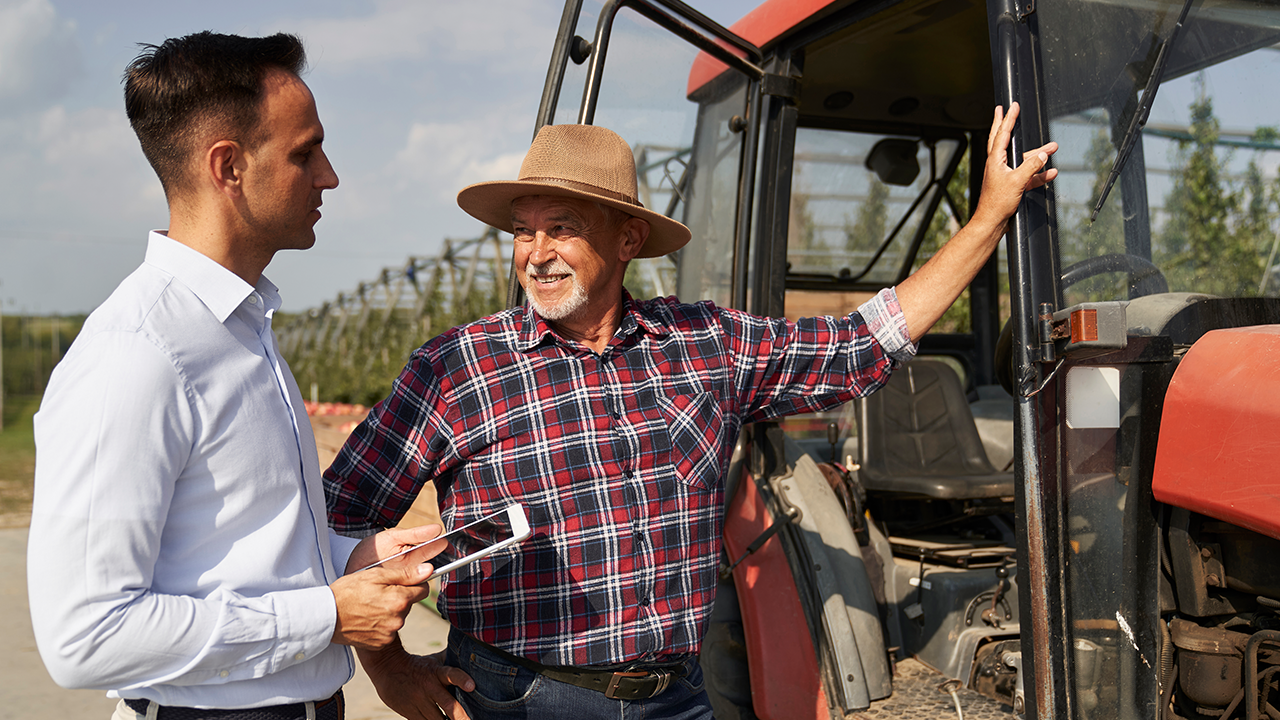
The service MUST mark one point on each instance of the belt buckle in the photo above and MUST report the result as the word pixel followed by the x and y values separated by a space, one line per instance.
pixel 664 679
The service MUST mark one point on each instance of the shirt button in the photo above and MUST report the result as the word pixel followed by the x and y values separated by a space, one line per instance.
pixel 300 656
pixel 224 673
pixel 253 300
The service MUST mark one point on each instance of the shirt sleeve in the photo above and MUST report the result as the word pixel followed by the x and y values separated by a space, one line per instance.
pixel 782 367
pixel 884 318
pixel 113 434
pixel 391 454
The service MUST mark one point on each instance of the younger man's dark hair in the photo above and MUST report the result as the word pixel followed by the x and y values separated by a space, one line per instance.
pixel 174 90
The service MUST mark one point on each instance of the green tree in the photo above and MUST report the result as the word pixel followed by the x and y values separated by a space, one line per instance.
pixel 871 225
pixel 1200 250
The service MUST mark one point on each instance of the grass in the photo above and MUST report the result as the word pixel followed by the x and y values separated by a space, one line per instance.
pixel 17 460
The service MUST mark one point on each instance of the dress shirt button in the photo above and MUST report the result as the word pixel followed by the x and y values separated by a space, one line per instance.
pixel 300 656
pixel 224 673
pixel 253 300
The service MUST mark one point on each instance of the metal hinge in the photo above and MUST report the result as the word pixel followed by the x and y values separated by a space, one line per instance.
pixel 782 86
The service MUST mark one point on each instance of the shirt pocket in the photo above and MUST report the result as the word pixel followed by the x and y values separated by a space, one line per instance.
pixel 695 425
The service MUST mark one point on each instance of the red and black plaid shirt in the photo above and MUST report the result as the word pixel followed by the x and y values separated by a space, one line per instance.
pixel 617 459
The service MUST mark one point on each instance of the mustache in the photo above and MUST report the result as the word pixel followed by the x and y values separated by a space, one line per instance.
pixel 555 267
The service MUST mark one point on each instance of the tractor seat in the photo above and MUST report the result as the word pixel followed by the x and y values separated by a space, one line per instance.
pixel 917 438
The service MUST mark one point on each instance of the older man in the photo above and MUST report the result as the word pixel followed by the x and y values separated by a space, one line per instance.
pixel 179 555
pixel 612 420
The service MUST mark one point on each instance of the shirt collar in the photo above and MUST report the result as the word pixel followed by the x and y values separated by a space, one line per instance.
pixel 221 290
pixel 635 316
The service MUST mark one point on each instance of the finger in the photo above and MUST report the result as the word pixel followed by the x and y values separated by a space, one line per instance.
pixel 414 535
pixel 1048 149
pixel 1026 172
pixel 997 116
pixel 456 677
pixel 1042 179
pixel 448 704
pixel 422 554
pixel 1005 132
pixel 411 576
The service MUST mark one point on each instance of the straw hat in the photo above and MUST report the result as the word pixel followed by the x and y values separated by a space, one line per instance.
pixel 578 161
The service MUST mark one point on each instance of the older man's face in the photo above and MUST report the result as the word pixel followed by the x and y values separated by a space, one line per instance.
pixel 567 255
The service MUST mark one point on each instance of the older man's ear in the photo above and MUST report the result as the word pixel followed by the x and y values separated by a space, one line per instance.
pixel 636 231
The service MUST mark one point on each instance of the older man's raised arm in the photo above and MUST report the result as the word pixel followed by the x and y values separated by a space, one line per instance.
pixel 927 294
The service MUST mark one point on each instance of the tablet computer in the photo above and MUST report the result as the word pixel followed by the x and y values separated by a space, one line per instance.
pixel 477 539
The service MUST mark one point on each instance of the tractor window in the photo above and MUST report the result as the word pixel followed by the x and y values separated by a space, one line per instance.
pixel 861 206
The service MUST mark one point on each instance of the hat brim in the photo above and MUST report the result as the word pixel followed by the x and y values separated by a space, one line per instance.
pixel 490 202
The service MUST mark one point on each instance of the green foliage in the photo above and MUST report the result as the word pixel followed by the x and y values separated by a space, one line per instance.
pixel 32 346
pixel 359 363
pixel 1080 237
pixel 1197 251
pixel 17 459
pixel 1217 234
pixel 871 226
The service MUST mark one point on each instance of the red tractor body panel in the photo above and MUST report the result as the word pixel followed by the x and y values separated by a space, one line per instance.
pixel 785 682
pixel 1219 447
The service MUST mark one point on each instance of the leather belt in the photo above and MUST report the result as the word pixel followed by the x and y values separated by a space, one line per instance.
pixel 292 711
pixel 639 681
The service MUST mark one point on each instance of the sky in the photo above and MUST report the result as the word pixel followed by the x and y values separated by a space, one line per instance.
pixel 418 98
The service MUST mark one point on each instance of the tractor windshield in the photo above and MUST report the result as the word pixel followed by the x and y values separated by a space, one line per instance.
pixel 1198 194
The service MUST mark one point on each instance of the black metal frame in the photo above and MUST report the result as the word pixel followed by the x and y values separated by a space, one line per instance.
pixel 1033 280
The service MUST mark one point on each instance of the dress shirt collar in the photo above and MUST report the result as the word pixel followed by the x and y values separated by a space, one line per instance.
pixel 221 290
pixel 534 329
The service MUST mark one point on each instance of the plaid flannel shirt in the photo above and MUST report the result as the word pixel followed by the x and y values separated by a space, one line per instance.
pixel 617 459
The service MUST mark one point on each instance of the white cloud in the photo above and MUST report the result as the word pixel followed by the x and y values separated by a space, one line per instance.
pixel 81 169
pixel 412 30
pixel 452 156
pixel 39 56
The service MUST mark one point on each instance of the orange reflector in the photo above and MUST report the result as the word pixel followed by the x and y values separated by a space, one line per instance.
pixel 1084 326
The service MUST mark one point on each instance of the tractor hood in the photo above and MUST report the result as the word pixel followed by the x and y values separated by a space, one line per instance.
pixel 1219 448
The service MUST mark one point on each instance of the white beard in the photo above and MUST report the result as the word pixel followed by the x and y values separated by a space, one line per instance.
pixel 566 308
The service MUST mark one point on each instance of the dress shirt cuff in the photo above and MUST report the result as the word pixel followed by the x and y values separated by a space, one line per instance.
pixel 308 617
pixel 884 318
pixel 341 547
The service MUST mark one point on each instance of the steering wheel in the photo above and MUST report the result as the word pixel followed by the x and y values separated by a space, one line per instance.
pixel 1144 279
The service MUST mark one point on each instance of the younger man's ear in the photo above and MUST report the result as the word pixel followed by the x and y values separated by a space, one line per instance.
pixel 224 167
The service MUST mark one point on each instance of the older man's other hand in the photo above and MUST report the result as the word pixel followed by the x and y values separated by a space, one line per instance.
pixel 416 686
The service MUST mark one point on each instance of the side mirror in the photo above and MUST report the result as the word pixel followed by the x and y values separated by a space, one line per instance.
pixel 893 160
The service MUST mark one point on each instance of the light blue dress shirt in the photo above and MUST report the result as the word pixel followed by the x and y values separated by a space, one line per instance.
pixel 179 549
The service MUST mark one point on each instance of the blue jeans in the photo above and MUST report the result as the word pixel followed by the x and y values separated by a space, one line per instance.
pixel 504 690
